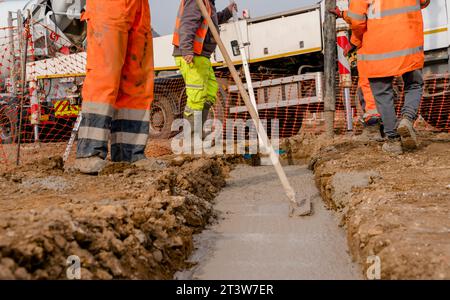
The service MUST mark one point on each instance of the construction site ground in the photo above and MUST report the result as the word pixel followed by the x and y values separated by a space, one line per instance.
pixel 148 223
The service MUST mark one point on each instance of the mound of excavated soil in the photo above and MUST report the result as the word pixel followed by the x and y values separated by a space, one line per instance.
pixel 128 223
pixel 396 208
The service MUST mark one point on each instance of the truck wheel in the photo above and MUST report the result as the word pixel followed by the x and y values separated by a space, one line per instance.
pixel 161 119
pixel 8 121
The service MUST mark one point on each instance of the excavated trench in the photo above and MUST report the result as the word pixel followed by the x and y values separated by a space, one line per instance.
pixel 127 223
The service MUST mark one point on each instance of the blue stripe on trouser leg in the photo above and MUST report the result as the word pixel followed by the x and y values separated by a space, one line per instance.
pixel 93 135
pixel 128 140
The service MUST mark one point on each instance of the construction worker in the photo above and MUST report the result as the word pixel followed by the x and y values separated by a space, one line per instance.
pixel 118 88
pixel 193 46
pixel 371 118
pixel 390 42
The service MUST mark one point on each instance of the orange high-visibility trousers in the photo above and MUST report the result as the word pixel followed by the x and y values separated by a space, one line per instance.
pixel 118 89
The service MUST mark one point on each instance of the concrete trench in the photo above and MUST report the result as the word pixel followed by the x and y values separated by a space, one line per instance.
pixel 255 239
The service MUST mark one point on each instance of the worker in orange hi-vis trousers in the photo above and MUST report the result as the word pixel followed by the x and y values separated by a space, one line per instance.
pixel 118 89
pixel 371 118
pixel 390 41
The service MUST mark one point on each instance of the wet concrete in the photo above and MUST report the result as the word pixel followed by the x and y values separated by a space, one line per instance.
pixel 255 239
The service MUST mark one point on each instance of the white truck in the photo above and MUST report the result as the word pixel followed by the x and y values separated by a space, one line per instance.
pixel 288 43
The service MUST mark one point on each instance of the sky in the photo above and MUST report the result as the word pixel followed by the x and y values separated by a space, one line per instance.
pixel 164 11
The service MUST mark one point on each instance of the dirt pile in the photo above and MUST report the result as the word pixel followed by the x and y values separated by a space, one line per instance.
pixel 396 208
pixel 127 223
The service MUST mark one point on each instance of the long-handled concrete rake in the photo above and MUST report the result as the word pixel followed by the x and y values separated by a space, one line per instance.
pixel 301 208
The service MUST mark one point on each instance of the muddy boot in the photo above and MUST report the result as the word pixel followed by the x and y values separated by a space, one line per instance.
pixel 393 146
pixel 90 165
pixel 407 134
pixel 150 164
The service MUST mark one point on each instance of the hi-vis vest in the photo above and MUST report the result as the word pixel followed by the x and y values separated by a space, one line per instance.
pixel 201 33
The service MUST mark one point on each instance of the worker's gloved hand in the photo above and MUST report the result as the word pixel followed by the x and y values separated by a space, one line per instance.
pixel 233 7
pixel 189 58
pixel 337 12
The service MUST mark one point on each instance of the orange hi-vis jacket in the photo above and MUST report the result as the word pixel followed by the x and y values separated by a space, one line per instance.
pixel 389 36
pixel 201 33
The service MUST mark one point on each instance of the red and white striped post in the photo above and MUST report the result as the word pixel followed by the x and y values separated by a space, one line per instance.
pixel 345 72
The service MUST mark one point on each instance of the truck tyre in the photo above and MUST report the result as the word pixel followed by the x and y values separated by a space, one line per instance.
pixel 162 116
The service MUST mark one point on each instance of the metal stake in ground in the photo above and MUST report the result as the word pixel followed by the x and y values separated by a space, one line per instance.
pixel 23 72
pixel 301 208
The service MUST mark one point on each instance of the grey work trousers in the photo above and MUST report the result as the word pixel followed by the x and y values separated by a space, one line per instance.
pixel 384 96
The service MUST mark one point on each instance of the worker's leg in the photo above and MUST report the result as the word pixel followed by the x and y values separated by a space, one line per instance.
pixel 371 118
pixel 212 87
pixel 107 43
pixel 384 97
pixel 130 125
pixel 413 94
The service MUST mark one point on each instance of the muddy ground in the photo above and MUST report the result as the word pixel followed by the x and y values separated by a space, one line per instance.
pixel 396 208
pixel 126 223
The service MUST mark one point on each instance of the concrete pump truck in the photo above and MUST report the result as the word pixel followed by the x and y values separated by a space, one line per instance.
pixel 288 44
